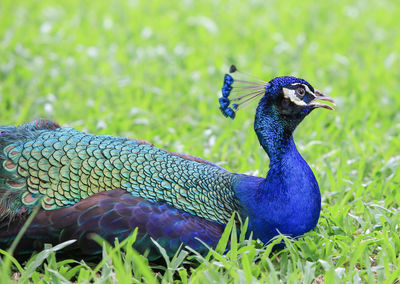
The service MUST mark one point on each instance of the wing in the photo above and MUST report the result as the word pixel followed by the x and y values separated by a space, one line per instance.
pixel 113 214
pixel 59 167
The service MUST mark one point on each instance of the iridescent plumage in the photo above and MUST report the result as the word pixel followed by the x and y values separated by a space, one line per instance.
pixel 60 167
pixel 109 185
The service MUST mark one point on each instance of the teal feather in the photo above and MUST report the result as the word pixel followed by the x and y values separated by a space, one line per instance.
pixel 62 166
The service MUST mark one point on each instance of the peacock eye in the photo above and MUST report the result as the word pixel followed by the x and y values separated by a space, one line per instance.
pixel 301 92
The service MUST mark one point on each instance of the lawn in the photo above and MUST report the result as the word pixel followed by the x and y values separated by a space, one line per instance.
pixel 153 70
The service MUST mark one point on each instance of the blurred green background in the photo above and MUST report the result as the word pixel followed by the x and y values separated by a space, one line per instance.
pixel 153 70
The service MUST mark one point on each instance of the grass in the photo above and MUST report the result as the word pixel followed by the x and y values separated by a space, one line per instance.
pixel 153 70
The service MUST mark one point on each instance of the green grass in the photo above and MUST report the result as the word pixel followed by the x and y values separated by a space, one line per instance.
pixel 153 70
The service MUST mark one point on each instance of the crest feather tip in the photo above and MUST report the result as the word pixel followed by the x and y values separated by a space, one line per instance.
pixel 232 69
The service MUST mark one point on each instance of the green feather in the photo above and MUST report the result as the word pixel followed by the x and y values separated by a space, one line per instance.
pixel 61 166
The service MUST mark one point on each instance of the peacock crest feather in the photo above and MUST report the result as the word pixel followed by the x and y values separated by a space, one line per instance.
pixel 244 86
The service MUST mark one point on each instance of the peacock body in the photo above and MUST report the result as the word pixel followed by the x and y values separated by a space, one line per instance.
pixel 109 185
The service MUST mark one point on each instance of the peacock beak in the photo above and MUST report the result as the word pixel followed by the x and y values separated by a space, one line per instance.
pixel 319 96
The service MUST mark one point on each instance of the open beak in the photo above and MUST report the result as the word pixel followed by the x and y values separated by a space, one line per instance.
pixel 319 96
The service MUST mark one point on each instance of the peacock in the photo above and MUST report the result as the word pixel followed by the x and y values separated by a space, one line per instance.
pixel 85 184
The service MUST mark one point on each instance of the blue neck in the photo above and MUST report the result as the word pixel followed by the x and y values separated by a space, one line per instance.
pixel 288 199
pixel 274 131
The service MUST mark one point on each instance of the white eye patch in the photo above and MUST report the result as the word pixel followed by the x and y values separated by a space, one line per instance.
pixel 291 94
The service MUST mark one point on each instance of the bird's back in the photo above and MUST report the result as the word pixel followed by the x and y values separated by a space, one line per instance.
pixel 41 162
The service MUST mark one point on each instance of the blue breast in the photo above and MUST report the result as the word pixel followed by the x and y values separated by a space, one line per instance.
pixel 287 201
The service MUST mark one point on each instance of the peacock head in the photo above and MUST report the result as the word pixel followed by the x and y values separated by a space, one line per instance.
pixel 289 97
